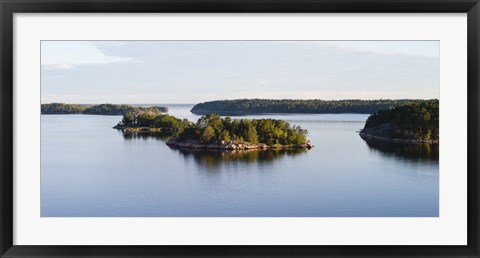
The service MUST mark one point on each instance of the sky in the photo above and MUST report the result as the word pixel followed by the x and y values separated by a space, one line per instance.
pixel 143 72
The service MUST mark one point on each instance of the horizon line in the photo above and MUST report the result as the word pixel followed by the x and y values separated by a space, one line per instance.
pixel 179 103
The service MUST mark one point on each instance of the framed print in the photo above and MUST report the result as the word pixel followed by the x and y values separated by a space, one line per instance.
pixel 247 129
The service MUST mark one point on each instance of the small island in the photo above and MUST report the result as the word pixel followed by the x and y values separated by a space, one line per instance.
pixel 151 120
pixel 213 132
pixel 297 106
pixel 411 123
pixel 102 109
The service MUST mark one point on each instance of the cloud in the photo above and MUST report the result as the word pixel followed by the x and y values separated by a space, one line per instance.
pixel 69 54
pixel 408 48
pixel 197 71
pixel 428 48
pixel 58 66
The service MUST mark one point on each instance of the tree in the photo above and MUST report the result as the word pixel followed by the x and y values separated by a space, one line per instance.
pixel 415 121
pixel 207 134
pixel 212 128
pixel 128 118
pixel 146 118
pixel 250 135
pixel 224 136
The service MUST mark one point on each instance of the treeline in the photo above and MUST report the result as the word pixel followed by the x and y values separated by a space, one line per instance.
pixel 154 119
pixel 213 129
pixel 310 106
pixel 103 109
pixel 62 108
pixel 113 109
pixel 416 121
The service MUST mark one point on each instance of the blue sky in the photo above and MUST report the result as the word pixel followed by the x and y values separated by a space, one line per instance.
pixel 196 71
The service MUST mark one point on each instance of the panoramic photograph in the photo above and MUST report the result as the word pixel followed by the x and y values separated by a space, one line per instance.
pixel 240 128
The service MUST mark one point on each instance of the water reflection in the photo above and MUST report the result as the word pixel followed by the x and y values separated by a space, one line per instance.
pixel 212 159
pixel 140 176
pixel 412 152
pixel 160 136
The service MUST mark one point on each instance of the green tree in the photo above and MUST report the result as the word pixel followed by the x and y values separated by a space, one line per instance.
pixel 251 134
pixel 414 121
pixel 224 136
pixel 207 135
pixel 128 118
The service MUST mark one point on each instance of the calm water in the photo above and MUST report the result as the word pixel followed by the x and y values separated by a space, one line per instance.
pixel 92 170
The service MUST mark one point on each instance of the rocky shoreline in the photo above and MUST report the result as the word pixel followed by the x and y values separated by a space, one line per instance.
pixel 195 144
pixel 129 129
pixel 381 134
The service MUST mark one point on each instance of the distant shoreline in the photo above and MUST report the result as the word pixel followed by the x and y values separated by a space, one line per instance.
pixel 239 107
pixel 102 109
pixel 239 113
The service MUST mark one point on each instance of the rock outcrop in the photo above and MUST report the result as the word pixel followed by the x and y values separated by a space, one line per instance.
pixel 230 145
pixel 383 133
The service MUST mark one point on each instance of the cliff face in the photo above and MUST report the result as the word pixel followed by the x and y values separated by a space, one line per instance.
pixel 383 132
pixel 195 144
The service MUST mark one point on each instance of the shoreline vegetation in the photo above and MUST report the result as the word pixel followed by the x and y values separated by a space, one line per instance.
pixel 232 145
pixel 408 121
pixel 296 106
pixel 416 123
pixel 213 132
pixel 102 109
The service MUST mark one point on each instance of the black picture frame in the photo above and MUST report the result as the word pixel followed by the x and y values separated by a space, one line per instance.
pixel 9 7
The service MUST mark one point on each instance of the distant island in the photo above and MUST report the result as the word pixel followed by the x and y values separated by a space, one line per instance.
pixel 411 123
pixel 286 106
pixel 151 120
pixel 102 109
pixel 213 132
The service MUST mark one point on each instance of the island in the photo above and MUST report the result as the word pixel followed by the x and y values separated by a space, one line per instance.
pixel 102 109
pixel 151 120
pixel 62 109
pixel 411 123
pixel 289 106
pixel 213 132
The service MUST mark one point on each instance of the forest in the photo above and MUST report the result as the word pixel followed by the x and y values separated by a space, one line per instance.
pixel 214 129
pixel 62 108
pixel 102 109
pixel 152 118
pixel 415 122
pixel 311 106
